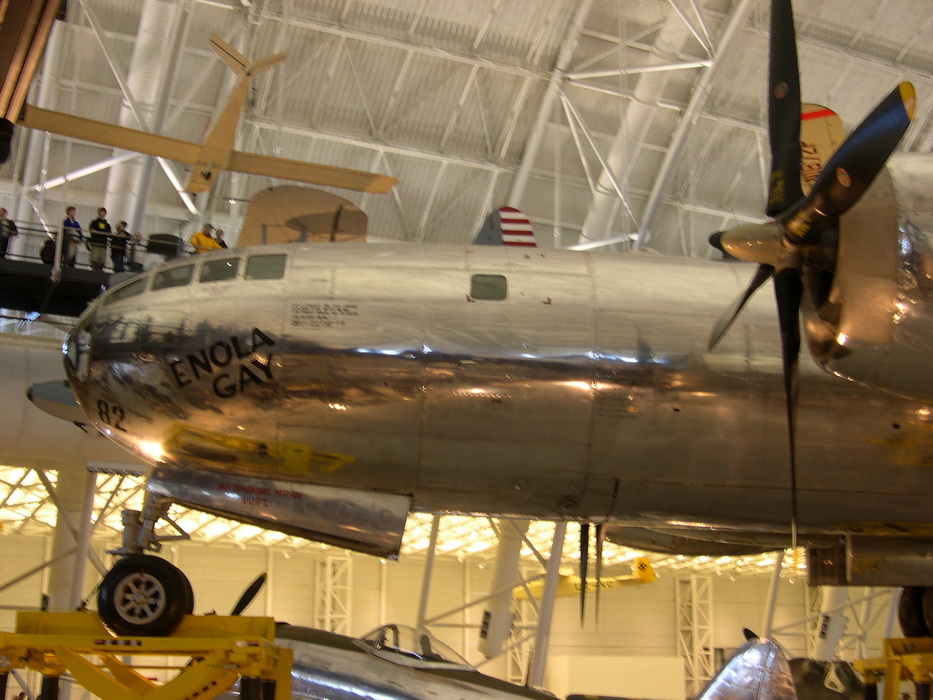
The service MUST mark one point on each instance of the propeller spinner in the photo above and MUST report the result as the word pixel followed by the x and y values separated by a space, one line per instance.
pixel 784 246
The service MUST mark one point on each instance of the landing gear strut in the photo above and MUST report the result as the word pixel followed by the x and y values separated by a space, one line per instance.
pixel 143 595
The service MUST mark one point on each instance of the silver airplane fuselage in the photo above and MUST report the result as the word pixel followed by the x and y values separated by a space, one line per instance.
pixel 514 382
pixel 328 666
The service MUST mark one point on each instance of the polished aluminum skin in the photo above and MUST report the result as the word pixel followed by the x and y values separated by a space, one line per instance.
pixel 877 325
pixel 757 671
pixel 543 384
pixel 382 664
pixel 365 521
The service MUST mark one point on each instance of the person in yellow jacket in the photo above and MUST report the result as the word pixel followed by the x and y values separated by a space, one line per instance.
pixel 203 242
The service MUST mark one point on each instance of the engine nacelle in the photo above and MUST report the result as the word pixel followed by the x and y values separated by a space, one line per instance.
pixel 876 325
pixel 864 560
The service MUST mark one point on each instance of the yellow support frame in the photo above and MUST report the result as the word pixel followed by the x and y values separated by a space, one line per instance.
pixel 908 659
pixel 220 649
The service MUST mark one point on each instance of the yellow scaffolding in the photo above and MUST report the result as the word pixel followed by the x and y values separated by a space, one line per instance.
pixel 213 651
pixel 908 659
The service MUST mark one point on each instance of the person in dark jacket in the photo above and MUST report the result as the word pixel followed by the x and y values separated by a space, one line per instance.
pixel 7 231
pixel 118 243
pixel 100 237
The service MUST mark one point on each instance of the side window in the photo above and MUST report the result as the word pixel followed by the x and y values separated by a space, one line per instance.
pixel 218 270
pixel 173 277
pixel 489 287
pixel 265 267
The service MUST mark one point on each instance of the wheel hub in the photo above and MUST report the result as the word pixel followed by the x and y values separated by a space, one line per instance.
pixel 141 597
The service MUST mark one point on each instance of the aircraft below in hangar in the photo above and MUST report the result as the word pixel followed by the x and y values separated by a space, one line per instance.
pixel 397 662
pixel 328 391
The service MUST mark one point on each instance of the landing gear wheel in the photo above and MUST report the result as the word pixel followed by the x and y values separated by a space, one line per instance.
pixel 927 607
pixel 189 592
pixel 910 611
pixel 144 596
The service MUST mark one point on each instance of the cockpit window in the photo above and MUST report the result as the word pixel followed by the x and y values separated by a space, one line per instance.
pixel 129 289
pixel 407 646
pixel 265 267
pixel 218 270
pixel 173 277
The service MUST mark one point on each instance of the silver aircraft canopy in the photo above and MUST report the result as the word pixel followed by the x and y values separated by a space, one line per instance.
pixel 407 646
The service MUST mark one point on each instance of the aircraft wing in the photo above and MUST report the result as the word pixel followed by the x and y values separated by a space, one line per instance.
pixel 186 152
pixel 311 173
pixel 109 134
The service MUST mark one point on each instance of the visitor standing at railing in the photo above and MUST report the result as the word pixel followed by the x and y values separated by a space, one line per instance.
pixel 71 232
pixel 100 236
pixel 118 247
pixel 7 231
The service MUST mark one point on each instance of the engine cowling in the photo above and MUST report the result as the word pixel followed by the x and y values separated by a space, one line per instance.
pixel 874 325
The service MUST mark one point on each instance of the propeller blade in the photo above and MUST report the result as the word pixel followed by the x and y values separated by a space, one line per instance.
pixel 783 111
pixel 762 274
pixel 584 565
pixel 600 539
pixel 788 290
pixel 854 165
pixel 715 240
pixel 247 597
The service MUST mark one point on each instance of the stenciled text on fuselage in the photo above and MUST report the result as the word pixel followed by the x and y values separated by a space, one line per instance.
pixel 229 365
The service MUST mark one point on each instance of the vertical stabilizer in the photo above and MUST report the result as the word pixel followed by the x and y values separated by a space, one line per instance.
pixel 217 145
pixel 229 55
pixel 506 226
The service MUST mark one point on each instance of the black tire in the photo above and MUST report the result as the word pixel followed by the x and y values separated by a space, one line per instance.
pixel 189 592
pixel 144 596
pixel 927 607
pixel 910 612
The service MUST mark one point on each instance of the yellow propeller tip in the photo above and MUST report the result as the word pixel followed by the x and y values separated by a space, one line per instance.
pixel 909 98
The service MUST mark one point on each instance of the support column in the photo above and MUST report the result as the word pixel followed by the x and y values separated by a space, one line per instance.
pixel 533 144
pixel 832 623
pixel 768 622
pixel 697 101
pixel 74 492
pixel 695 630
pixel 83 542
pixel 864 621
pixel 891 619
pixel 333 579
pixel 542 640
pixel 497 616
pixel 428 573
pixel 180 23
pixel 142 81
pixel 639 115
pixel 38 141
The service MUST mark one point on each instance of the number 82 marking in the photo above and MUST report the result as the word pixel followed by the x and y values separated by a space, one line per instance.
pixel 111 414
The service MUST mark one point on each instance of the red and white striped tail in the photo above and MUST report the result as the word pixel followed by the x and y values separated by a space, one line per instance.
pixel 516 228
